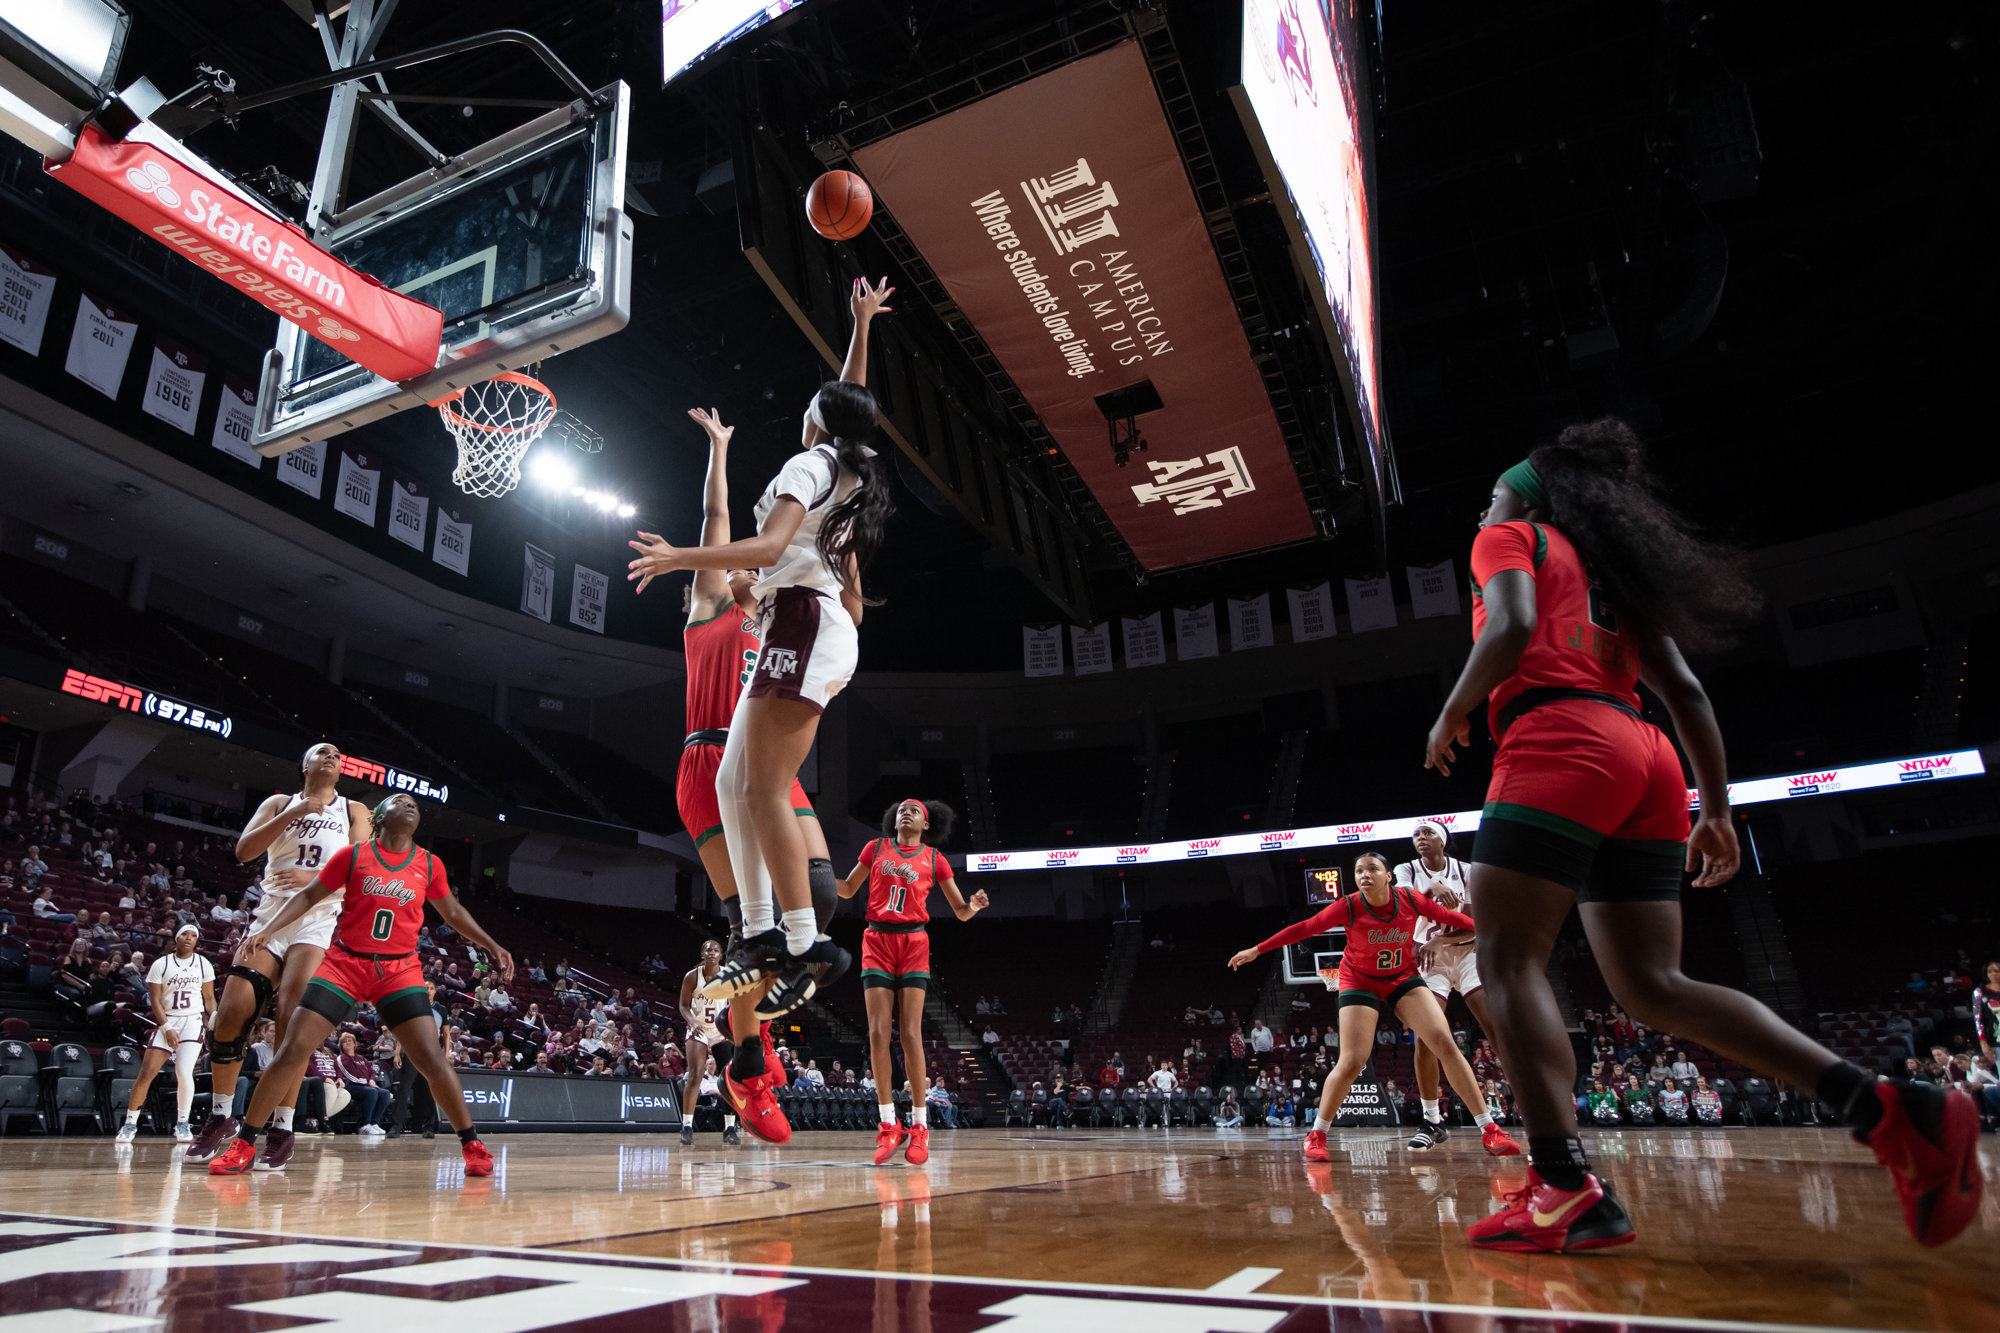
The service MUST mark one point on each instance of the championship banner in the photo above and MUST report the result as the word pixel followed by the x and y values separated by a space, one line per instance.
pixel 1250 622
pixel 304 468
pixel 1144 644
pixel 1433 591
pixel 588 592
pixel 1041 650
pixel 409 510
pixel 1058 215
pixel 452 546
pixel 1090 647
pixel 100 345
pixel 173 386
pixel 1194 631
pixel 360 479
pixel 236 421
pixel 1312 612
pixel 1370 604
pixel 150 181
pixel 26 287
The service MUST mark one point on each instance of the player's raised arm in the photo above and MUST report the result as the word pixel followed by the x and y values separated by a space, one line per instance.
pixel 711 585
pixel 1335 914
pixel 273 817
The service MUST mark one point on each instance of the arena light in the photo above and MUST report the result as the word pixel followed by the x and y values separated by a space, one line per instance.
pixel 1756 791
pixel 550 470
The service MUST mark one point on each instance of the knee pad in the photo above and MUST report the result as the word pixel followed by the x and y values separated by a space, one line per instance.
pixel 229 1052
pixel 260 985
pixel 825 889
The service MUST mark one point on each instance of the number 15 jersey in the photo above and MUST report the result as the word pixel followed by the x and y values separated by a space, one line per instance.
pixel 382 903
pixel 900 880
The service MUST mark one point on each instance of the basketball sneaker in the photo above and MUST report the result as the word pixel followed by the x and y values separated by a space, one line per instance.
pixel 731 1136
pixel 759 1110
pixel 888 1138
pixel 1541 1219
pixel 235 1159
pixel 1429 1136
pixel 917 1145
pixel 218 1130
pixel 277 1150
pixel 687 1134
pixel 128 1131
pixel 1929 1140
pixel 1316 1146
pixel 772 1064
pixel 1496 1142
pixel 183 1134
pixel 801 974
pixel 478 1161
pixel 746 964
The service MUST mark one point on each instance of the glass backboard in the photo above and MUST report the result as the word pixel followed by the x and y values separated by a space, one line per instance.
pixel 524 245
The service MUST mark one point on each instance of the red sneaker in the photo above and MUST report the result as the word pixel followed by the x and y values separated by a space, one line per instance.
pixel 759 1110
pixel 1541 1219
pixel 917 1145
pixel 1316 1146
pixel 772 1064
pixel 888 1138
pixel 478 1161
pixel 235 1159
pixel 1496 1141
pixel 1930 1142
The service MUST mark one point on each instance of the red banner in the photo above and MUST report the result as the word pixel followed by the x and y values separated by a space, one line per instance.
pixel 148 181
pixel 1059 216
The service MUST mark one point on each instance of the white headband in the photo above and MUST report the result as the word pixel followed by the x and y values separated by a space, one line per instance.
pixel 188 930
pixel 1427 824
pixel 812 410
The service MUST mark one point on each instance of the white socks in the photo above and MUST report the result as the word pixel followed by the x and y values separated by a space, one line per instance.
pixel 729 1122
pixel 1432 1114
pixel 131 1117
pixel 920 1115
pixel 759 915
pixel 1483 1119
pixel 886 1111
pixel 801 927
pixel 282 1119
pixel 1322 1124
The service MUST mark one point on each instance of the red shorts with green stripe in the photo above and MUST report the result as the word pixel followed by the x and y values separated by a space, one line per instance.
pixel 395 986
pixel 895 961
pixel 1591 798
pixel 694 793
pixel 1382 994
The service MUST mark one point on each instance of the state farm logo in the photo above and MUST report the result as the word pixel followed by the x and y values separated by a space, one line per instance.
pixel 1128 855
pixel 1923 770
pixel 1189 488
pixel 1809 784
pixel 150 177
pixel 331 330
pixel 1065 202
pixel 1352 832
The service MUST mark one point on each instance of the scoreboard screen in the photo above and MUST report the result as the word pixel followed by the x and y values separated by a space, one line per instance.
pixel 1304 959
pixel 1322 885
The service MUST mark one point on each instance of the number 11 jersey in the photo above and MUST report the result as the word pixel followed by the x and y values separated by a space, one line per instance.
pixel 900 880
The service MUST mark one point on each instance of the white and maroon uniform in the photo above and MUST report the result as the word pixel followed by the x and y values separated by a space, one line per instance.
pixel 701 1024
pixel 305 844
pixel 1444 955
pixel 180 981
pixel 810 644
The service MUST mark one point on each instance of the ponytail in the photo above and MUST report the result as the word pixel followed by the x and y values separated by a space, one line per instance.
pixel 855 527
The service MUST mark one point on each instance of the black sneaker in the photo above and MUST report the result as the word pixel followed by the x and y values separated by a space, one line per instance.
pixel 746 965
pixel 277 1151
pixel 1428 1137
pixel 687 1135
pixel 730 1136
pixel 801 975
pixel 219 1130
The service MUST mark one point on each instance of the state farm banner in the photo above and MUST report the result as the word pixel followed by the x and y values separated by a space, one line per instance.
pixel 1059 216
pixel 149 180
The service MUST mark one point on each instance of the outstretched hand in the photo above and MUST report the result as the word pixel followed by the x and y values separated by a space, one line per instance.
pixel 1445 732
pixel 1713 849
pixel 711 421
pixel 1238 959
pixel 869 300
pixel 656 557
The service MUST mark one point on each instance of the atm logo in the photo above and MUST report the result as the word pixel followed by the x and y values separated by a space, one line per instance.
pixel 1353 832
pixel 1809 784
pixel 1923 770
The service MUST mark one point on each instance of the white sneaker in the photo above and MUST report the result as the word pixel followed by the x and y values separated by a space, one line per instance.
pixel 128 1131
pixel 182 1132
pixel 371 1132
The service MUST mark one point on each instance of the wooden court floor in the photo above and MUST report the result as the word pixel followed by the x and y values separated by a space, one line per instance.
pixel 1768 1226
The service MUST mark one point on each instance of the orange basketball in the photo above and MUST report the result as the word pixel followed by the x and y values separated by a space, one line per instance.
pixel 839 205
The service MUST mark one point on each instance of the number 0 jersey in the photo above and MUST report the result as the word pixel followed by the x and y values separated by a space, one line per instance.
pixel 900 880
pixel 1577 642
pixel 1381 941
pixel 382 904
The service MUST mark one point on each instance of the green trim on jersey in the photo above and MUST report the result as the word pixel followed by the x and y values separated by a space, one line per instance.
pixel 322 981
pixel 1542 819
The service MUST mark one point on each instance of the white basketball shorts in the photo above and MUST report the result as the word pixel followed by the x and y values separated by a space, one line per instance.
pixel 1451 965
pixel 169 1035
pixel 810 647
pixel 315 928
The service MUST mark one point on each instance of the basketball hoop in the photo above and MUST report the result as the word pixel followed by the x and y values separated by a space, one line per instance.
pixel 495 423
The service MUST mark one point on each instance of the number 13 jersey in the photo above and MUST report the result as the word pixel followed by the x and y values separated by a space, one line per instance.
pixel 383 896
pixel 304 844
pixel 900 880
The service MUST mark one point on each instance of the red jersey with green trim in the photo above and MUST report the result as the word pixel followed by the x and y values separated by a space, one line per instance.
pixel 721 654
pixel 383 895
pixel 1381 941
pixel 900 879
pixel 1578 643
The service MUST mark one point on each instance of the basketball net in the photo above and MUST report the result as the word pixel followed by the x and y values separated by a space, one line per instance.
pixel 495 423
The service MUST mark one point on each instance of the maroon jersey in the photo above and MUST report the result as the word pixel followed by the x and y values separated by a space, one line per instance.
pixel 1381 941
pixel 900 879
pixel 1578 642
pixel 382 907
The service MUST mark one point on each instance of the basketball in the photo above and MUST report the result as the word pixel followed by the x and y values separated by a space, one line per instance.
pixel 839 205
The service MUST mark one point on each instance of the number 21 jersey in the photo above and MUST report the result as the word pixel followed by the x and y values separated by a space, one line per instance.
pixel 383 896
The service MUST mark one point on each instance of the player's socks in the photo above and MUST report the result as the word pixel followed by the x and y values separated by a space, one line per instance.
pixel 1322 1124
pixel 1483 1119
pixel 1432 1113
pixel 1841 1088
pixel 801 928
pixel 749 1062
pixel 729 1122
pixel 282 1118
pixel 759 915
pixel 131 1117
pixel 1559 1160
pixel 470 1134
pixel 920 1115
pixel 733 909
pixel 886 1112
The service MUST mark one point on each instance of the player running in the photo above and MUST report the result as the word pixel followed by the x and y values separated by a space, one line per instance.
pixel 297 835
pixel 819 523
pixel 703 1040
pixel 900 869
pixel 1444 957
pixel 1378 974
pixel 383 885
pixel 182 987
pixel 1585 582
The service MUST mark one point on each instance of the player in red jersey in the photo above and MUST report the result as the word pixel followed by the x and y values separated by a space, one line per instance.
pixel 900 869
pixel 1585 582
pixel 1379 974
pixel 384 884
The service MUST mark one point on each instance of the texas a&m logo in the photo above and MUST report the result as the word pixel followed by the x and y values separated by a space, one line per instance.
pixel 1188 487
pixel 780 662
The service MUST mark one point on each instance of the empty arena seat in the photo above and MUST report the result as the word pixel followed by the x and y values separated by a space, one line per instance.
pixel 69 1081
pixel 20 1084
pixel 117 1071
pixel 1017 1108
